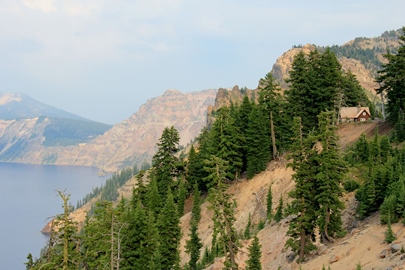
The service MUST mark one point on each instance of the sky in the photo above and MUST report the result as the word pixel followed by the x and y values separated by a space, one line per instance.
pixel 103 59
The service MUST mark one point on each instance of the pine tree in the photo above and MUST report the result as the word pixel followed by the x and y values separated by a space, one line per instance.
pixel 392 81
pixel 169 233
pixel 182 196
pixel 63 248
pixel 389 234
pixel 246 233
pixel 331 170
pixel 134 243
pixel 223 207
pixel 228 142
pixel 301 227
pixel 153 201
pixel 102 236
pixel 165 162
pixel 273 104
pixel 269 204
pixel 258 143
pixel 194 245
pixel 255 255
pixel 243 123
pixel 279 213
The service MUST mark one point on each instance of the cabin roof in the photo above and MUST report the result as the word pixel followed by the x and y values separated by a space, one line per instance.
pixel 353 112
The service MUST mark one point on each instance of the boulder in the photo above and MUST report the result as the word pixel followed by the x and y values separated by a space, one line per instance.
pixel 395 248
pixel 334 258
pixel 383 253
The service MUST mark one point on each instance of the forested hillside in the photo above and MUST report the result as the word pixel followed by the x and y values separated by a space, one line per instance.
pixel 296 127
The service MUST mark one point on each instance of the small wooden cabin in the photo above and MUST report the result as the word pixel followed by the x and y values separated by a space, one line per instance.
pixel 354 114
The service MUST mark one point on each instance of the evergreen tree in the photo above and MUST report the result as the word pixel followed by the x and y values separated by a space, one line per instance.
pixel 30 263
pixel 272 103
pixel 246 233
pixel 192 167
pixel 279 213
pixel 331 170
pixel 301 227
pixel 165 162
pixel 269 204
pixel 182 196
pixel 63 249
pixel 134 243
pixel 228 142
pixel 169 233
pixel 102 236
pixel 298 95
pixel 194 245
pixel 153 198
pixel 389 234
pixel 255 255
pixel 258 141
pixel 242 121
pixel 392 81
pixel 223 207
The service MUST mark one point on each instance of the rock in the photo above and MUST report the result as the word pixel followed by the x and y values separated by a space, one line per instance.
pixel 335 258
pixel 383 253
pixel 350 251
pixel 354 231
pixel 395 248
pixel 290 257
pixel 322 250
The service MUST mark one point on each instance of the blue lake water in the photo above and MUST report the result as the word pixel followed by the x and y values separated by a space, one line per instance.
pixel 28 198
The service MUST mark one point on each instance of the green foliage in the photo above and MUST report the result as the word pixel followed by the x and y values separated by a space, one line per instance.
pixel 169 233
pixel 255 254
pixel 258 140
pixel 301 227
pixel 272 101
pixel 389 234
pixel 279 213
pixel 135 243
pixel 246 233
pixel 350 185
pixel 269 204
pixel 194 245
pixel 223 207
pixel 164 162
pixel 392 81
pixel 261 224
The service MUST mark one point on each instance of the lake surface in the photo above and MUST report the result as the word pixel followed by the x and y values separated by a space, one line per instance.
pixel 28 198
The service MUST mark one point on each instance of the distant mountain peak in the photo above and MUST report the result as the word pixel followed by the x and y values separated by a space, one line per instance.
pixel 9 97
pixel 172 91
pixel 21 106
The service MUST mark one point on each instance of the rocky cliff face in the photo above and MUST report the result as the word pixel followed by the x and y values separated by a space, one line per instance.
pixel 362 56
pixel 134 140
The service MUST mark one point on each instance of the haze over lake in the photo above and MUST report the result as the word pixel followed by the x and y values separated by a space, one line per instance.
pixel 28 197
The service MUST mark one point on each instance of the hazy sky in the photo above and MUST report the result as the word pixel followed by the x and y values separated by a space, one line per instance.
pixel 103 59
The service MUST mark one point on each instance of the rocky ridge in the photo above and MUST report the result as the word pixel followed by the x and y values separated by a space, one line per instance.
pixel 130 142
pixel 365 70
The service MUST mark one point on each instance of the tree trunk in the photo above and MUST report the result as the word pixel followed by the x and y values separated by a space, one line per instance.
pixel 273 136
pixel 302 245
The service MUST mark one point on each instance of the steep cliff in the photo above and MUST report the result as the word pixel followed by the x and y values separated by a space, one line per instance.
pixel 131 141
